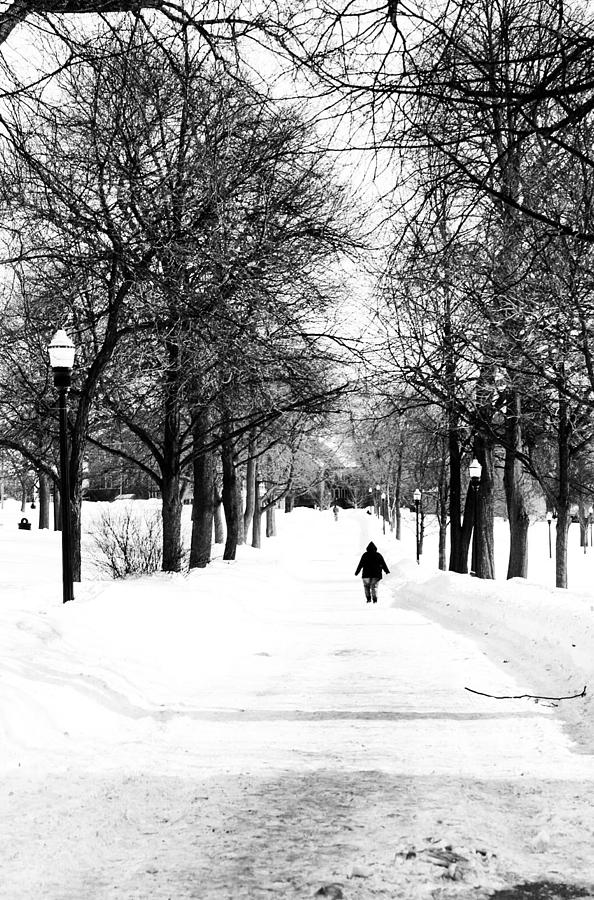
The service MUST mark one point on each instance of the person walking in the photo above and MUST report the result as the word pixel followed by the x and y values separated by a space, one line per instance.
pixel 372 564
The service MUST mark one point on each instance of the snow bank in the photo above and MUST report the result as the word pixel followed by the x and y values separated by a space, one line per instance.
pixel 543 634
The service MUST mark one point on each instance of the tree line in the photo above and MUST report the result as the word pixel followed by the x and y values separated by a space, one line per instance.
pixel 481 112
pixel 186 231
pixel 485 112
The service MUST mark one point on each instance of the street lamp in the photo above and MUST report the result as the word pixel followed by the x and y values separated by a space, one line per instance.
pixel 61 354
pixel 377 499
pixel 549 520
pixel 475 470
pixel 417 499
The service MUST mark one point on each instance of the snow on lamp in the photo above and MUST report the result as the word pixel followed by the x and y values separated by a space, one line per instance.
pixel 61 351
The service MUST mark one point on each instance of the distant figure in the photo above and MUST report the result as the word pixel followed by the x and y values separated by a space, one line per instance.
pixel 373 564
pixel 335 511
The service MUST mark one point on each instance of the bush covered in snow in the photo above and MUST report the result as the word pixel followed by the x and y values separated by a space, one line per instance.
pixel 126 541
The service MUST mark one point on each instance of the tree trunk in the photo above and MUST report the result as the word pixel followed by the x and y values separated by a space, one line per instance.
pixel 270 520
pixel 442 506
pixel 322 491
pixel 583 524
pixel 398 487
pixel 171 511
pixel 442 547
pixel 563 501
pixel 289 503
pixel 250 487
pixel 397 519
pixel 467 528
pixel 240 525
pixel 485 563
pixel 44 500
pixel 233 511
pixel 561 542
pixel 513 481
pixel 76 448
pixel 458 539
pixel 76 531
pixel 203 503
pixel 170 463
pixel 57 508
pixel 219 525
pixel 257 516
pixel 171 517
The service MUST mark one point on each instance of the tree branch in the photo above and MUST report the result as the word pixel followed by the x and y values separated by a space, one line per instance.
pixel 525 696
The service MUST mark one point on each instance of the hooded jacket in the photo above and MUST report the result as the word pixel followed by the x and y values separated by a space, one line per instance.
pixel 372 563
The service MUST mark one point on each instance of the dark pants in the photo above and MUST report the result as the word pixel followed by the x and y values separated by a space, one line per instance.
pixel 370 588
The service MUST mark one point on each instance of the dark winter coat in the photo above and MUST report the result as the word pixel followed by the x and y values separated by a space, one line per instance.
pixel 372 563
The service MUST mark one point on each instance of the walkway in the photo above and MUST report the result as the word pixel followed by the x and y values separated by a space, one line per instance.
pixel 338 747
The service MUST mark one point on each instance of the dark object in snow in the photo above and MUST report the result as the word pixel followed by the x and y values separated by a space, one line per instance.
pixel 333 891
pixel 371 564
pixel 542 890
pixel 444 857
pixel 455 865
pixel 25 524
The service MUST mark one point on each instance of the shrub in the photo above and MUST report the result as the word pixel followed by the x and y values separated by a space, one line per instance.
pixel 127 542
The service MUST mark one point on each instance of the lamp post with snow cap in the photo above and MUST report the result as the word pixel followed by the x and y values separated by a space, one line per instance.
pixel 417 499
pixel 549 520
pixel 377 500
pixel 61 354
pixel 475 470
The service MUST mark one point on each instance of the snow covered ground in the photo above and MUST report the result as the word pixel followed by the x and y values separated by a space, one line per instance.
pixel 255 729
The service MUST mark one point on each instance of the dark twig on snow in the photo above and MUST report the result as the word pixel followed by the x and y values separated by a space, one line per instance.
pixel 525 696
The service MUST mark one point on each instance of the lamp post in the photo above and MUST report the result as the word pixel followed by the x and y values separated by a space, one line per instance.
pixel 475 470
pixel 549 520
pixel 61 354
pixel 377 499
pixel 417 499
pixel 384 512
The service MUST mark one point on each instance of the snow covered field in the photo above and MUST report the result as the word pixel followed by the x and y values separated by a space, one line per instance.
pixel 256 730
